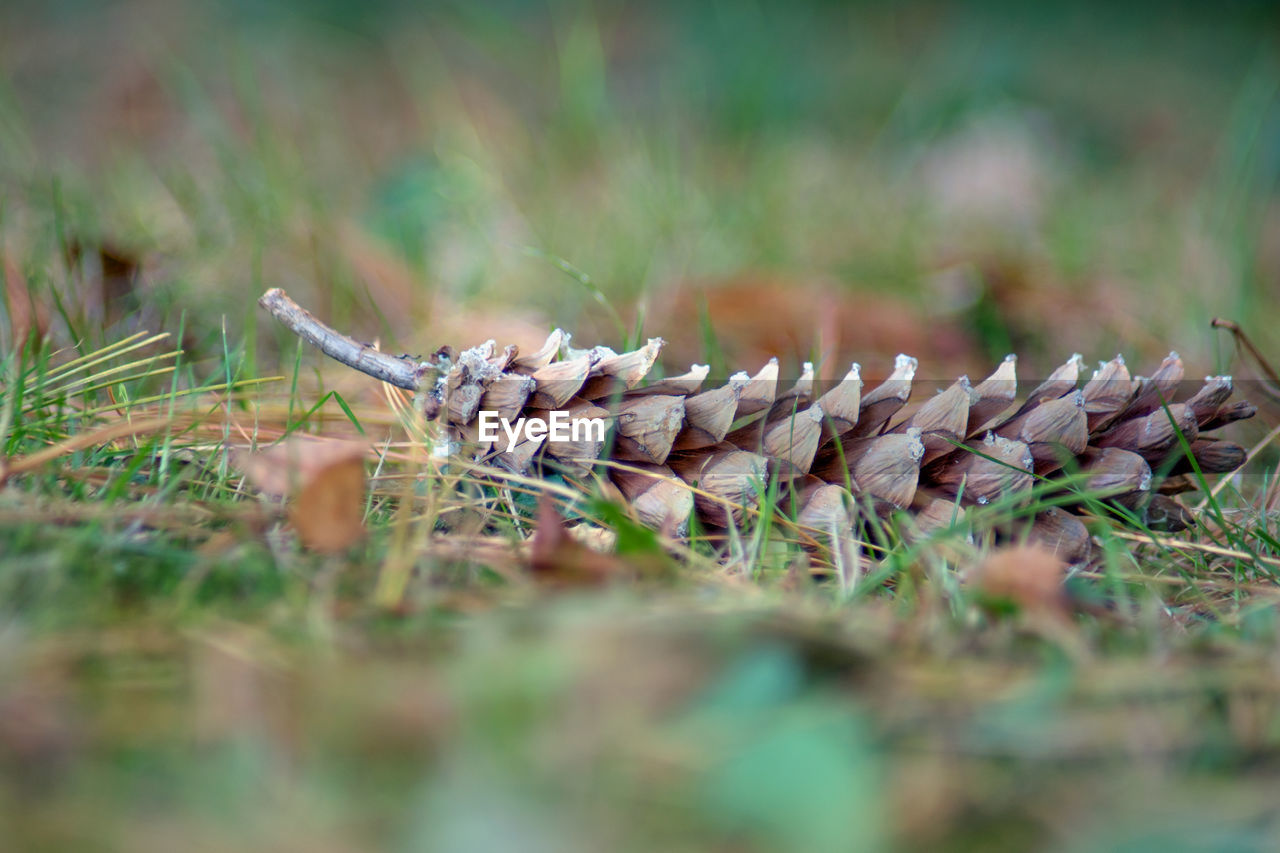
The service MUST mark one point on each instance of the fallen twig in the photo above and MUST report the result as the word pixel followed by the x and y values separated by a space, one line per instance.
pixel 1271 384
pixel 401 371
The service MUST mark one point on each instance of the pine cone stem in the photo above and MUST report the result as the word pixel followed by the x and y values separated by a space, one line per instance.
pixel 401 371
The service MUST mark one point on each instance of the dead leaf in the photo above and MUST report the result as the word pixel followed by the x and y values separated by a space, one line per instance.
pixel 120 270
pixel 1029 577
pixel 325 482
pixel 283 468
pixel 108 275
pixel 329 511
pixel 28 319
pixel 559 559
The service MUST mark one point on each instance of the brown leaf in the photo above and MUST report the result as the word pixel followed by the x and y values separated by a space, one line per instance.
pixel 28 319
pixel 1026 576
pixel 325 482
pixel 329 511
pixel 120 269
pixel 556 558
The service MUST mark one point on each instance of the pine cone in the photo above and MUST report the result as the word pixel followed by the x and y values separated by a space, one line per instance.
pixel 967 445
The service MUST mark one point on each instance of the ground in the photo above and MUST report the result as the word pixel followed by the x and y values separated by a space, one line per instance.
pixel 184 662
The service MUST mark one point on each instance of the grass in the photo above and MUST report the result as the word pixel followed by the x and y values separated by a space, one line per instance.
pixel 175 669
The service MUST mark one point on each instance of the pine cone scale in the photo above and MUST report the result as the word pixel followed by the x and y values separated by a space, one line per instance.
pixel 971 443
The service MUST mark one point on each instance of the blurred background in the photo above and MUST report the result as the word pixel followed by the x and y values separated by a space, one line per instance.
pixel 826 180
pixel 813 179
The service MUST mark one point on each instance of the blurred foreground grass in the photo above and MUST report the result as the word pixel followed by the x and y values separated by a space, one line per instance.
pixel 176 673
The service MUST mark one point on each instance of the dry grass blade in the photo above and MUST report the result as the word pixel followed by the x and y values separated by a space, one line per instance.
pixel 103 435
pixel 1204 547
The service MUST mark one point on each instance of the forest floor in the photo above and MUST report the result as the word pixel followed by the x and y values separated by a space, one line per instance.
pixel 187 663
